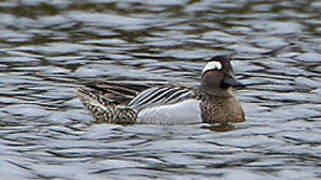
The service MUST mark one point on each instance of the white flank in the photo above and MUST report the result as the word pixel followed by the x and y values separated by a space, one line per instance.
pixel 214 65
pixel 187 111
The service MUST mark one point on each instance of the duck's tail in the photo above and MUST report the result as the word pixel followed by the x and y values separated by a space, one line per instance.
pixel 105 109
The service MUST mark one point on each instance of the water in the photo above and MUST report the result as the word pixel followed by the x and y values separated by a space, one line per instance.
pixel 48 47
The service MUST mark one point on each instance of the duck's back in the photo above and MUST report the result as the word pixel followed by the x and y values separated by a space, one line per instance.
pixel 165 94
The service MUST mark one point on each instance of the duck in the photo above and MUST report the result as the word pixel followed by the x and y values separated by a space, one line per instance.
pixel 213 101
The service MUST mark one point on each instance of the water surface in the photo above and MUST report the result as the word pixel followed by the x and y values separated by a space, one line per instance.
pixel 48 47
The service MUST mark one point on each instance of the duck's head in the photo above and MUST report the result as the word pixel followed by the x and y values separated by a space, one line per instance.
pixel 218 76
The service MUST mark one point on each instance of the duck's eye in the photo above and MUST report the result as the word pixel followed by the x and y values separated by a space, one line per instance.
pixel 224 85
pixel 214 65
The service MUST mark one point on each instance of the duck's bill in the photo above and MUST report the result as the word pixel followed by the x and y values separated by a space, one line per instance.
pixel 232 82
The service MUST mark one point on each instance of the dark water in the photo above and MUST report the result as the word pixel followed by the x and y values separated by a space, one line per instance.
pixel 48 47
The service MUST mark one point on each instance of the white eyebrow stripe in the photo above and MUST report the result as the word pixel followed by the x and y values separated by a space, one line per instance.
pixel 214 65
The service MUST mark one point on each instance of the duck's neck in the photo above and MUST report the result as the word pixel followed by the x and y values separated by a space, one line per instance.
pixel 216 92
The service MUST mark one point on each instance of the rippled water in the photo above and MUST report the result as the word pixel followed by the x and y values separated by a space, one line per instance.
pixel 48 47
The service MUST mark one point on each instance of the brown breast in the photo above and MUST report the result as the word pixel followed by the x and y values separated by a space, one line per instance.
pixel 222 110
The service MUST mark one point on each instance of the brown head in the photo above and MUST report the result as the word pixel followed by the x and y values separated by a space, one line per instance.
pixel 218 77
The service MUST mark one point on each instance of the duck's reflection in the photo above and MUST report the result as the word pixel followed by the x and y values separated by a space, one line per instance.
pixel 221 127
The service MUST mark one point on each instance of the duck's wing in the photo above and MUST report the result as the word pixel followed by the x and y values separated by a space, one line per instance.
pixel 116 92
pixel 165 94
